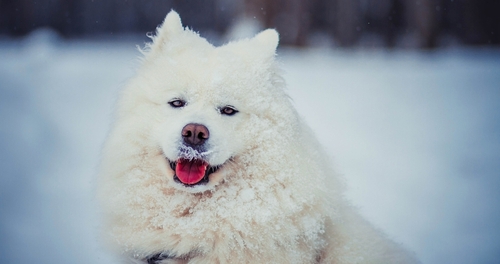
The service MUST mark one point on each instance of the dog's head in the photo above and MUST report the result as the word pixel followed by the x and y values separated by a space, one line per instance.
pixel 203 106
pixel 206 134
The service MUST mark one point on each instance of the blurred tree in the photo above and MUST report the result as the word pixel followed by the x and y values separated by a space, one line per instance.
pixel 423 15
pixel 474 22
pixel 16 17
pixel 481 21
pixel 289 17
pixel 385 17
pixel 344 18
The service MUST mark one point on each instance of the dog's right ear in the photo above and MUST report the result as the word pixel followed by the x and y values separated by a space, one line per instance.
pixel 166 32
pixel 268 39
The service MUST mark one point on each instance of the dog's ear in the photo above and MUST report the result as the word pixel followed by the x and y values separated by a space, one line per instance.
pixel 261 47
pixel 169 29
pixel 268 40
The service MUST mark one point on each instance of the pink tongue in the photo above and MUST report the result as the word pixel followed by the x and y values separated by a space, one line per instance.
pixel 190 171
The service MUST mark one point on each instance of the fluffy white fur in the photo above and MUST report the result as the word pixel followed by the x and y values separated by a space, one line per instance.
pixel 274 199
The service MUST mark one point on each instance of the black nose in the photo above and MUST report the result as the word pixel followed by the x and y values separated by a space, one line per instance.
pixel 195 134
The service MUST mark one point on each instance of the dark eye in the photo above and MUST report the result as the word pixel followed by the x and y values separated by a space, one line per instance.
pixel 228 110
pixel 177 103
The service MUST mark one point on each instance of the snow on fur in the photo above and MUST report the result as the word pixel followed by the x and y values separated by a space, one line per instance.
pixel 274 198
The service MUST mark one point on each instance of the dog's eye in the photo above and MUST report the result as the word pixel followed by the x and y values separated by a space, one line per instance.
pixel 228 110
pixel 177 103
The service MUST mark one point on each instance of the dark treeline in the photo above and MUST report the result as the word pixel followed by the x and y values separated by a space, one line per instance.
pixel 471 22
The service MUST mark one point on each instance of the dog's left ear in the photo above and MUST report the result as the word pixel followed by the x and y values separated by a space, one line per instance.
pixel 268 41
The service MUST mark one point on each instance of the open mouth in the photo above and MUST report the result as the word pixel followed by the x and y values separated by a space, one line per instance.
pixel 192 172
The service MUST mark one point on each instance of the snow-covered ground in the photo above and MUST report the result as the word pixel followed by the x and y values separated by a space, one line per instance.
pixel 417 136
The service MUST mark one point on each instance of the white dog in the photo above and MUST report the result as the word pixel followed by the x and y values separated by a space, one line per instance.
pixel 208 162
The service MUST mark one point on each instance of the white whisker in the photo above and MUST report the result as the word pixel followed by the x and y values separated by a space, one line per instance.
pixel 187 152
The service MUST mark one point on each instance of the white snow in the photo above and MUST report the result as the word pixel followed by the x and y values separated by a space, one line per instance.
pixel 416 135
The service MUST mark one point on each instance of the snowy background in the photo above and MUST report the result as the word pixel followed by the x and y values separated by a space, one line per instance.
pixel 416 135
